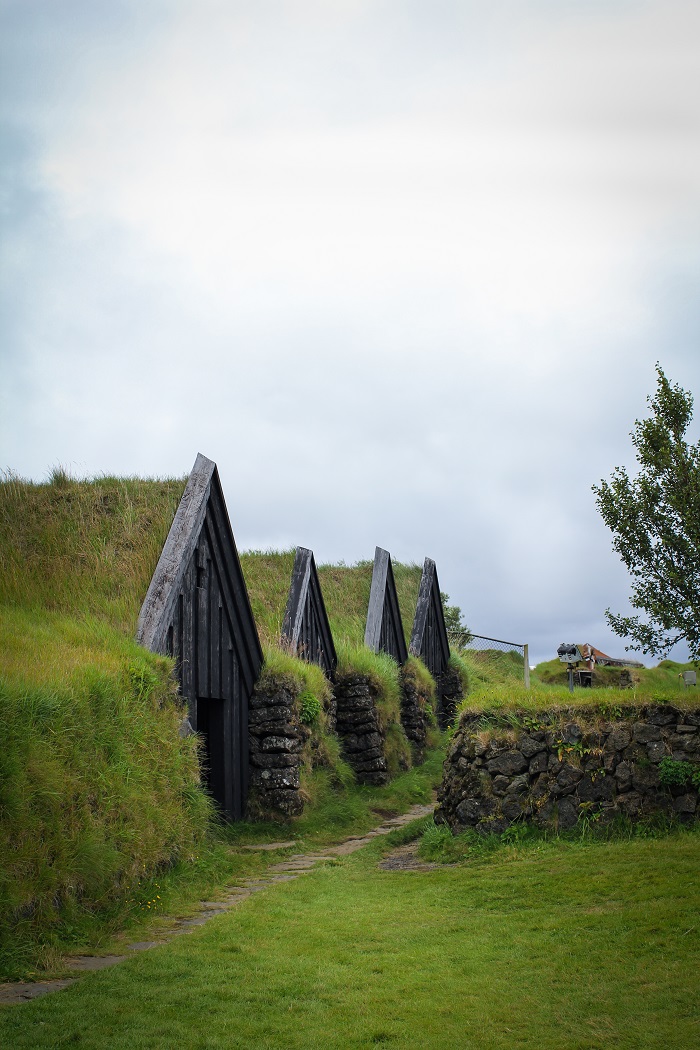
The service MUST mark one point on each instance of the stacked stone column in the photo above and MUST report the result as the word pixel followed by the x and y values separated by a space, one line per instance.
pixel 276 738
pixel 357 724
pixel 413 717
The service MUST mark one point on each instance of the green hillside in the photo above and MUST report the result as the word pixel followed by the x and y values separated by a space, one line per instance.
pixel 496 687
pixel 97 789
pixel 662 681
pixel 90 546
pixel 345 591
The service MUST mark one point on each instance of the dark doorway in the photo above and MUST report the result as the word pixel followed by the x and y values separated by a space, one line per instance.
pixel 224 767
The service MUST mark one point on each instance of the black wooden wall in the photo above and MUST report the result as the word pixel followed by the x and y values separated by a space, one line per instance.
pixel 197 610
pixel 429 636
pixel 384 629
pixel 306 625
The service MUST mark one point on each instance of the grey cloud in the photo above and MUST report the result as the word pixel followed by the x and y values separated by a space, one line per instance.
pixel 318 244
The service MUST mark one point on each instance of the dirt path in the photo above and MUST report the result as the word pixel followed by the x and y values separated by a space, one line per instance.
pixel 286 870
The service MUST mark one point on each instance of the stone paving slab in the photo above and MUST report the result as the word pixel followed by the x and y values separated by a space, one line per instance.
pixel 23 993
pixel 285 871
pixel 406 858
pixel 272 845
pixel 92 962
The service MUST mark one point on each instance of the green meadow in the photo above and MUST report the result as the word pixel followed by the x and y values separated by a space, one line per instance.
pixel 527 939
pixel 551 945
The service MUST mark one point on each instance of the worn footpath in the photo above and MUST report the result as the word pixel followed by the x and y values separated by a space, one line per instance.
pixel 292 867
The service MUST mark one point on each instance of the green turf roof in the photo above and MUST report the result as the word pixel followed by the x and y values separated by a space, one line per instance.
pixel 89 548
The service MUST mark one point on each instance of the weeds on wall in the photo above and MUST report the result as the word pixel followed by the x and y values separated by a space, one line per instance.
pixel 415 671
pixel 678 773
pixel 437 844
pixel 460 665
pixel 383 674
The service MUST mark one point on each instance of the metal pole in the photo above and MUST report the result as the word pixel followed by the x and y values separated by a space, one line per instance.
pixel 571 678
pixel 526 658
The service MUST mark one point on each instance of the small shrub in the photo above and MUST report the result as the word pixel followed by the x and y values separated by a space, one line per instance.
pixel 673 773
pixel 310 708
pixel 438 844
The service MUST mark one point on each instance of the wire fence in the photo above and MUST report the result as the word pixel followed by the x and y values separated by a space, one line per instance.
pixel 494 654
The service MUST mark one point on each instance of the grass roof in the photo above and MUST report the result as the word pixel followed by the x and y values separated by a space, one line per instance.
pixel 345 590
pixel 84 547
pixel 76 559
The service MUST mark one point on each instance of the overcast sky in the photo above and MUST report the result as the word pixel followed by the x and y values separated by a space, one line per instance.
pixel 402 268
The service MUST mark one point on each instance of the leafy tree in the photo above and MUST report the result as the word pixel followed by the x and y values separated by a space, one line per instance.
pixel 655 520
pixel 459 632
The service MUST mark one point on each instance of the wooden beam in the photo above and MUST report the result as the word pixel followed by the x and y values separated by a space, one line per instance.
pixel 375 609
pixel 172 565
pixel 294 613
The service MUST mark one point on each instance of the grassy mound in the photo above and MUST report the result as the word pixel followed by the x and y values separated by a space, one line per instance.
pixel 98 792
pixel 662 680
pixel 90 546
pixel 97 789
pixel 500 692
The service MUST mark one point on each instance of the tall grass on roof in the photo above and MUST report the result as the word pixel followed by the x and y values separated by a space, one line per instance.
pixel 87 546
pixel 346 594
pixel 268 575
pixel 345 590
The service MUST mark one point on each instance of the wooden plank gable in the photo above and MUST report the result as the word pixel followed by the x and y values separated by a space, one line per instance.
pixel 306 625
pixel 429 636
pixel 197 611
pixel 384 630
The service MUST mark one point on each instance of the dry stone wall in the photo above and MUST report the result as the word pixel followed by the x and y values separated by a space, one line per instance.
pixel 276 738
pixel 554 774
pixel 358 726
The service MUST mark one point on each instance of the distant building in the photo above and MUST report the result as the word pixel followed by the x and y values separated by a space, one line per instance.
pixel 593 657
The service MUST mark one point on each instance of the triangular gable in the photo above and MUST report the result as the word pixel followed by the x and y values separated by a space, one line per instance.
pixel 429 637
pixel 197 610
pixel 306 624
pixel 384 630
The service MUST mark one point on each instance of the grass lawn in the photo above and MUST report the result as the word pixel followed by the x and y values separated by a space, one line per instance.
pixel 552 945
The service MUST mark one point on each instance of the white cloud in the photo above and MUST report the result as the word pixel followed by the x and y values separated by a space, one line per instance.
pixel 398 268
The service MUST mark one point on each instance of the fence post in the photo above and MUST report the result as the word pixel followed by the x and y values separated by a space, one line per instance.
pixel 526 657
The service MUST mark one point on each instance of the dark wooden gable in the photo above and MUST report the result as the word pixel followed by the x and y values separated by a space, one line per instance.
pixel 384 630
pixel 429 637
pixel 197 610
pixel 306 624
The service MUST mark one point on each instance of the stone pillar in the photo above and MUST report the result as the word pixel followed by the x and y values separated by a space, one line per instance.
pixel 359 729
pixel 276 738
pixel 413 718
